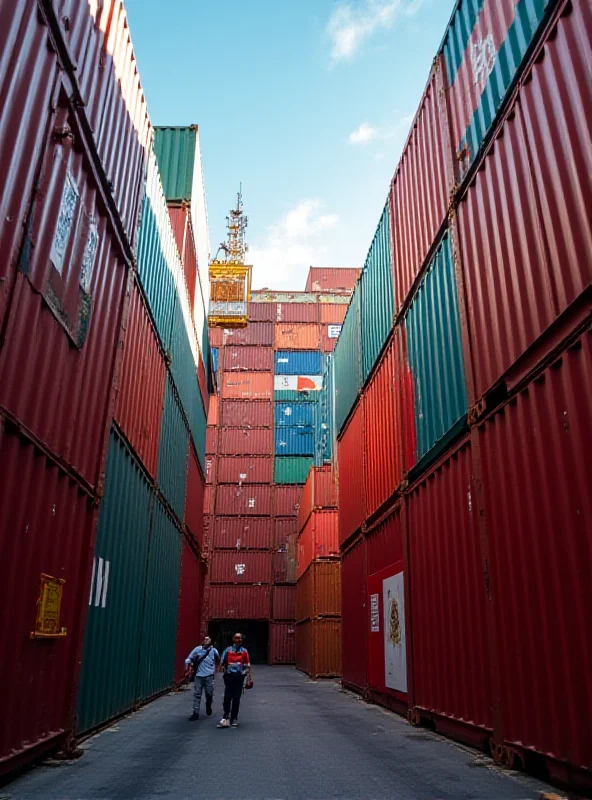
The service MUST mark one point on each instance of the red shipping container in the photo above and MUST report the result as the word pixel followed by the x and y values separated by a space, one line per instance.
pixel 318 591
pixel 249 500
pixel 319 491
pixel 241 533
pixel 419 189
pixel 255 333
pixel 210 469
pixel 297 336
pixel 213 410
pixel 262 312
pixel 282 643
pixel 190 607
pixel 332 313
pixel 194 500
pixel 355 618
pixel 140 396
pixel 283 529
pixel 447 597
pixel 350 455
pixel 283 602
pixel 247 359
pixel 240 602
pixel 215 336
pixel 247 386
pixel 245 469
pixel 318 538
pixel 318 645
pixel 247 414
pixel 183 232
pixel 245 441
pixel 212 440
pixel 383 451
pixel 297 312
pixel 202 381
pixel 536 453
pixel 332 279
pixel 287 500
pixel 209 495
pixel 244 566
pixel 384 544
pixel 280 567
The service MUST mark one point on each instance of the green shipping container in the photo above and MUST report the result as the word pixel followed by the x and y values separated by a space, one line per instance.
pixel 173 452
pixel 175 150
pixel 291 469
pixel 377 309
pixel 293 396
pixel 108 683
pixel 159 628
pixel 347 361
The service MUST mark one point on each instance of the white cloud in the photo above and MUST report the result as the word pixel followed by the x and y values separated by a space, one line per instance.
pixel 350 26
pixel 364 134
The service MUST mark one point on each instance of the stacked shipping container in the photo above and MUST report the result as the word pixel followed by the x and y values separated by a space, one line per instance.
pixel 490 302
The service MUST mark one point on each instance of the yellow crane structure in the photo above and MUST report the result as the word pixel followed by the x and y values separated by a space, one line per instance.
pixel 230 277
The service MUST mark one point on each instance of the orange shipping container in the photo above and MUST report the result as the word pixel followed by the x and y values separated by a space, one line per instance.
pixel 318 648
pixel 297 336
pixel 318 590
pixel 247 386
pixel 333 314
pixel 318 539
pixel 214 410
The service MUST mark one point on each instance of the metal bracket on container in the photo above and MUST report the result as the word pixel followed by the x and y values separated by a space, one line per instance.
pixel 414 718
pixel 476 412
pixel 506 756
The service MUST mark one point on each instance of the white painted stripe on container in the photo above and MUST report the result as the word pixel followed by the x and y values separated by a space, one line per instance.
pixel 99 583
pixel 92 580
pixel 105 584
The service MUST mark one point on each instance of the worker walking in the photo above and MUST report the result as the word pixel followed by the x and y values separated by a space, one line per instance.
pixel 236 666
pixel 201 666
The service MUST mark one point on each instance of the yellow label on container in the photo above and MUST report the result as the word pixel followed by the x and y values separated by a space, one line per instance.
pixel 47 624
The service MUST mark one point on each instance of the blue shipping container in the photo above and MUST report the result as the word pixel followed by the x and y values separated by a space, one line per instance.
pixel 290 414
pixel 215 359
pixel 298 362
pixel 297 440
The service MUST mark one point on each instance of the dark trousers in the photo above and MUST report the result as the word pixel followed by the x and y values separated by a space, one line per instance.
pixel 233 689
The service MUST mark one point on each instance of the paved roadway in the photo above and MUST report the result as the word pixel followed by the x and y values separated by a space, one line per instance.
pixel 298 740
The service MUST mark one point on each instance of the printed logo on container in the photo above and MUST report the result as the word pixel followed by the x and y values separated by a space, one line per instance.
pixel 483 55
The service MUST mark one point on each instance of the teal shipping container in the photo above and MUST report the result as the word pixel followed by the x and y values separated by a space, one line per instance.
pixel 377 301
pixel 325 429
pixel 347 361
pixel 173 452
pixel 295 396
pixel 291 469
pixel 435 356
pixel 176 150
pixel 112 640
pixel 159 627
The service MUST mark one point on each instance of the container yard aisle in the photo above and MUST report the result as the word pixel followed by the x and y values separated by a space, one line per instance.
pixel 297 739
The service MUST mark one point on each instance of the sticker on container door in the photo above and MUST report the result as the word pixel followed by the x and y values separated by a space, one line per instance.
pixel 251 502
pixel 240 569
pixel 374 614
pixel 333 331
pixel 395 656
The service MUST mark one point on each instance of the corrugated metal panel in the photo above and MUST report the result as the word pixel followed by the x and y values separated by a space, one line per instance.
pixel 269 296
pixel 245 441
pixel 212 432
pixel 435 355
pixel 173 453
pixel 332 314
pixel 215 337
pixel 194 500
pixel 297 336
pixel 214 410
pixel 249 500
pixel 297 312
pixel 298 362
pixel 246 469
pixel 232 566
pixel 282 643
pixel 215 360
pixel 318 591
pixel 296 387
pixel 355 617
pixel 209 495
pixel 384 545
pixel 112 641
pixel 536 455
pixel 320 491
pixel 419 190
pixel 294 440
pixel 247 386
pixel 175 150
pixel 318 538
pixel 291 469
pixel 247 414
pixel 262 312
pixel 255 333
pixel 161 605
pixel 46 527
pixel 483 50
pixel 280 566
pixel 287 500
pixel 447 595
pixel 241 533
pixel 332 298
pixel 347 362
pixel 283 602
pixel 350 456
pixel 240 602
pixel 376 311
pixel 291 558
pixel 318 648
pixel 383 462
pixel 190 607
pixel 283 528
pixel 325 418
pixel 332 279
pixel 247 359
pixel 183 232
pixel 210 470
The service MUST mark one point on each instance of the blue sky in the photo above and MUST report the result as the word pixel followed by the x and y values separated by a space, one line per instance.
pixel 307 102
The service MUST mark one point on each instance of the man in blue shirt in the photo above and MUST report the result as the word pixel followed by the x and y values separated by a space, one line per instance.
pixel 201 662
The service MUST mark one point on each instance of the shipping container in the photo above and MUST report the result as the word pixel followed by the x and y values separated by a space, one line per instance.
pixel 246 414
pixel 212 433
pixel 332 279
pixel 247 359
pixel 190 607
pixel 291 469
pixel 325 432
pixel 245 469
pixel 211 470
pixel 351 461
pixel 262 312
pixel 247 386
pixel 194 500
pixel 536 456
pixel 247 500
pixel 419 189
pixel 255 333
pixel 245 441
pixel 297 336
pixel 320 491
pixel 355 617
pixel 241 533
pixel 347 362
pixel 173 453
pixel 287 501
pixel 215 336
pixel 332 314
pixel 283 602
pixel 283 527
pixel 383 431
pixel 295 440
pixel 280 566
pixel 240 602
pixel 282 643
pixel 329 338
pixel 288 298
pixel 484 49
pixel 384 543
pixel 291 558
pixel 435 355
pixel 318 538
pixel 214 411
pixel 183 232
pixel 297 312
pixel 376 285
pixel 318 648
pixel 289 415
pixel 209 497
pixel 318 590
pixel 240 566
pixel 296 387
pixel 215 360
pixel 298 362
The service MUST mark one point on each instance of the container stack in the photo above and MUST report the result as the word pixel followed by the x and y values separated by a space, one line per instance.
pixel 318 590
pixel 462 401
